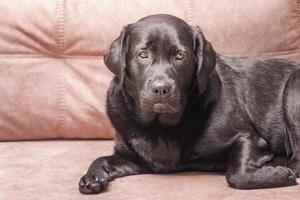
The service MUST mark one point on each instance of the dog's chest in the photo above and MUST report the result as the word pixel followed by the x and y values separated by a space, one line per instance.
pixel 160 154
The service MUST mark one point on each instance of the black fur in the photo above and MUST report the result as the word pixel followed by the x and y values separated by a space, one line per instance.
pixel 237 115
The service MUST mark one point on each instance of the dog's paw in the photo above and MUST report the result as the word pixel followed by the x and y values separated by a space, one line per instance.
pixel 265 177
pixel 295 166
pixel 92 184
pixel 284 175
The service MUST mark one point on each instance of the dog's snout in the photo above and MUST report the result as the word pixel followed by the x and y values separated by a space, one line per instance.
pixel 161 87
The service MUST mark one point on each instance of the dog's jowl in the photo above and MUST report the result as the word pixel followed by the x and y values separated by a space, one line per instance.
pixel 177 105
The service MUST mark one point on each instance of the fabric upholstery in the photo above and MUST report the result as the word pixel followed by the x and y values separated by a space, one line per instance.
pixel 50 170
pixel 52 78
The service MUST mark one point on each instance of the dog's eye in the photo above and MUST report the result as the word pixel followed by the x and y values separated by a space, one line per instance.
pixel 143 54
pixel 180 56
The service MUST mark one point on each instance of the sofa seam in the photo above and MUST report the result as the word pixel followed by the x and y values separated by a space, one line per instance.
pixel 298 13
pixel 49 56
pixel 61 79
pixel 60 27
pixel 283 53
pixel 298 9
pixel 189 12
pixel 99 57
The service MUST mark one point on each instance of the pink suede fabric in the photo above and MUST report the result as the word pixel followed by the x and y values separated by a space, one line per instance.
pixel 50 170
pixel 52 78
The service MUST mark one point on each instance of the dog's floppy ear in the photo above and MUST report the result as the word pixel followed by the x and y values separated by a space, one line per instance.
pixel 206 57
pixel 115 57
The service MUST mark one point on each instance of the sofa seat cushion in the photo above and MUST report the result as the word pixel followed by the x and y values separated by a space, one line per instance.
pixel 51 170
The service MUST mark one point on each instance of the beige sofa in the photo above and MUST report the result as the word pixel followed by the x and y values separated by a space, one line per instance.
pixel 53 85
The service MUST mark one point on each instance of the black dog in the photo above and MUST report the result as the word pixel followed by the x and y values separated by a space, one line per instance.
pixel 176 105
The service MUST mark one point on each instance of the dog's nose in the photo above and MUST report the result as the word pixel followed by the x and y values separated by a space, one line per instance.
pixel 161 87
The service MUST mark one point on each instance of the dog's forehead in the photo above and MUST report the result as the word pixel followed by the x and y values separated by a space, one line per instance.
pixel 161 31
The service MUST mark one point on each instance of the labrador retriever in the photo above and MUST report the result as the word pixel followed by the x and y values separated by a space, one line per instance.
pixel 176 105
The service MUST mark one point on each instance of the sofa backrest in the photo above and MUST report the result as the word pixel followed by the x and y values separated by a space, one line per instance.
pixel 52 78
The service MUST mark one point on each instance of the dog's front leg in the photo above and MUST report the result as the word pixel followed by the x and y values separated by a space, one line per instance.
pixel 105 169
pixel 247 166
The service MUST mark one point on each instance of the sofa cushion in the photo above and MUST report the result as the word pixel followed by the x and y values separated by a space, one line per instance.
pixel 52 78
pixel 51 170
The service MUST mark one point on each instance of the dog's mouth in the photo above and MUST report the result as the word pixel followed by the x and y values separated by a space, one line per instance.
pixel 169 105
pixel 163 108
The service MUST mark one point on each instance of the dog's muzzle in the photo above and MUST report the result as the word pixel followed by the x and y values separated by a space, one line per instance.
pixel 160 96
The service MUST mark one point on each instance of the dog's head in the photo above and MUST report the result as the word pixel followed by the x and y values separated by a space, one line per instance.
pixel 158 61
